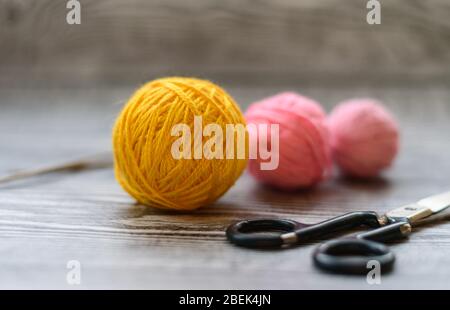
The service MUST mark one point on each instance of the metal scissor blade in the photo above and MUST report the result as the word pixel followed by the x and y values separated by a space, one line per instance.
pixel 423 208
pixel 436 203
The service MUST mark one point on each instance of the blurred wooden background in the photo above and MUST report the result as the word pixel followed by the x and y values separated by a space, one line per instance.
pixel 121 41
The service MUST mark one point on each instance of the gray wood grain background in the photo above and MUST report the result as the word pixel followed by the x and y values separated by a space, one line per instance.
pixel 131 40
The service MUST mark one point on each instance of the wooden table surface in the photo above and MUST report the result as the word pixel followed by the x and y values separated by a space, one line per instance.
pixel 85 216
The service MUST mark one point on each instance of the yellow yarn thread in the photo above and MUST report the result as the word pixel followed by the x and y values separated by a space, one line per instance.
pixel 143 163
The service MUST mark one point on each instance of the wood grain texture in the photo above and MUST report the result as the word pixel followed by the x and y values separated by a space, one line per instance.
pixel 132 40
pixel 47 221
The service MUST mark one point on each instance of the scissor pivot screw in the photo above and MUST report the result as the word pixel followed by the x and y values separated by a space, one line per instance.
pixel 405 229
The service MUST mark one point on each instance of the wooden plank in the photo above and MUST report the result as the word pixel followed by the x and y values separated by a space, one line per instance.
pixel 131 40
pixel 47 221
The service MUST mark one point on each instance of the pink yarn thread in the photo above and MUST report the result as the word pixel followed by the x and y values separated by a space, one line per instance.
pixel 364 137
pixel 305 157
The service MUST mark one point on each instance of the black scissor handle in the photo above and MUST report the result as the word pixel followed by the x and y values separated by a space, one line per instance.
pixel 260 233
pixel 276 233
pixel 352 255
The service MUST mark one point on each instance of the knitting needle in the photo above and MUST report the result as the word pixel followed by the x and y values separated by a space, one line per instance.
pixel 100 160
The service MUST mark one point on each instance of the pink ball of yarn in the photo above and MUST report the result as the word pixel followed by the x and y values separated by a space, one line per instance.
pixel 364 137
pixel 304 153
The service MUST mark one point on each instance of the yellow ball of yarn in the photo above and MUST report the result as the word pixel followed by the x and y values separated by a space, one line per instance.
pixel 143 139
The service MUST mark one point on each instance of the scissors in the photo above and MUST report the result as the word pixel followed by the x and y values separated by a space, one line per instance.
pixel 343 255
